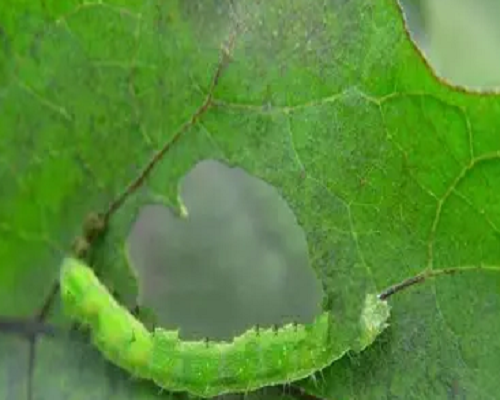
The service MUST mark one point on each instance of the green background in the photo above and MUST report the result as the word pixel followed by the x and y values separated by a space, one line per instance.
pixel 388 171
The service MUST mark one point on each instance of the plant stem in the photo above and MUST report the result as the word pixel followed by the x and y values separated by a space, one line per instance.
pixel 430 273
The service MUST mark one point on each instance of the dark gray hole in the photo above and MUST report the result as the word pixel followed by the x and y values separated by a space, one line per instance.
pixel 235 258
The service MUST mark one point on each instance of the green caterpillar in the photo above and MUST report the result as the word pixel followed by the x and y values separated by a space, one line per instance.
pixel 257 358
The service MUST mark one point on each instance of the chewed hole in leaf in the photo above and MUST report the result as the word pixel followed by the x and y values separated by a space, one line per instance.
pixel 233 258
pixel 460 46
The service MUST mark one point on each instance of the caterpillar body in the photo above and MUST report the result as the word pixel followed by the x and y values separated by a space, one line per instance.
pixel 257 358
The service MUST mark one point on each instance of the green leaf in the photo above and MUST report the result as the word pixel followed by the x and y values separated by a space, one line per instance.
pixel 387 170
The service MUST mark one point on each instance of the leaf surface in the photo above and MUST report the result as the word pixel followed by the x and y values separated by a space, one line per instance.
pixel 387 170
